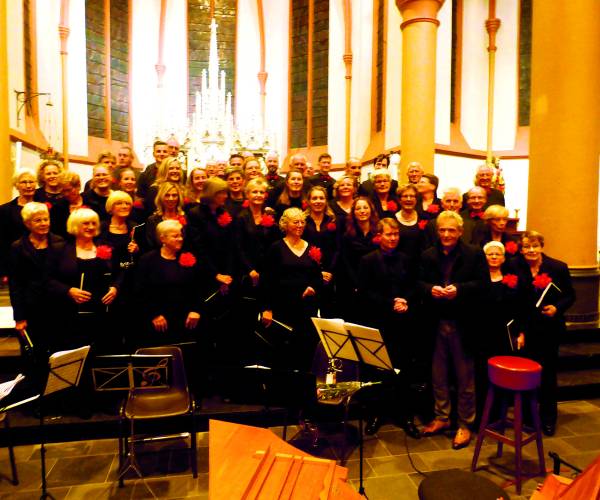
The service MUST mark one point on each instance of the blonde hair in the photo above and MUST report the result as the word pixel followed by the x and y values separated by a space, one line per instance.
pixel 116 196
pixel 190 190
pixel 381 172
pixel 80 216
pixel 288 214
pixel 494 211
pixel 42 166
pixel 255 183
pixel 162 191
pixel 494 244
pixel 69 177
pixel 167 225
pixel 32 208
pixel 20 173
pixel 163 170
pixel 446 215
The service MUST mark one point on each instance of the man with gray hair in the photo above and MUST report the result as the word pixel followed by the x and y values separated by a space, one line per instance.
pixel 272 162
pixel 299 161
pixel 414 172
pixel 483 178
pixel 452 278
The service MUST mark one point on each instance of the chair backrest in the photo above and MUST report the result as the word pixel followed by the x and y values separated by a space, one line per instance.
pixel 178 378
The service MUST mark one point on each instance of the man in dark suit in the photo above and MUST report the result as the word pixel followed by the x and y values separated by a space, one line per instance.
pixel 322 177
pixel 452 277
pixel 272 163
pixel 160 150
pixel 386 288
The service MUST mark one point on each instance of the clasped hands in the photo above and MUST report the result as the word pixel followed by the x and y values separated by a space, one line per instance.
pixel 400 305
pixel 160 322
pixel 80 296
pixel 444 292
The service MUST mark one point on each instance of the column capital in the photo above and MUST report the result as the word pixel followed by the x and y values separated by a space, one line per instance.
pixel 419 11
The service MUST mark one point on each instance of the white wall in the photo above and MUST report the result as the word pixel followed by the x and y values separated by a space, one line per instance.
pixel 276 17
pixel 443 77
pixel 14 49
pixel 336 124
pixel 393 78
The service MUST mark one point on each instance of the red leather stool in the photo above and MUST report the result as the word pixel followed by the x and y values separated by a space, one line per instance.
pixel 519 375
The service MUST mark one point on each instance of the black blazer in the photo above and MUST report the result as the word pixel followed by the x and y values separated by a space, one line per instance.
pixel 11 229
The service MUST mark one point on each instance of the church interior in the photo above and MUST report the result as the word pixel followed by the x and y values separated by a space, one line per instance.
pixel 450 85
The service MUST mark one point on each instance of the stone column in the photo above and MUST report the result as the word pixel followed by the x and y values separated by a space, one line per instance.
pixel 6 167
pixel 419 40
pixel 565 142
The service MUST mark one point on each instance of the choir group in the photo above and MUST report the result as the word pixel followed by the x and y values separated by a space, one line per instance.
pixel 214 254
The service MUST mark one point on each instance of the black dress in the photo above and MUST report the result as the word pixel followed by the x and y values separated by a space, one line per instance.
pixel 11 229
pixel 286 277
pixel 97 203
pixel 412 242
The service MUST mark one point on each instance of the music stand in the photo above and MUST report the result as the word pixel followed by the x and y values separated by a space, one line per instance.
pixel 129 372
pixel 357 343
pixel 64 371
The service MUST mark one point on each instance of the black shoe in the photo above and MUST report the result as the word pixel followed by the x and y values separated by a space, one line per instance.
pixel 373 425
pixel 410 428
pixel 549 429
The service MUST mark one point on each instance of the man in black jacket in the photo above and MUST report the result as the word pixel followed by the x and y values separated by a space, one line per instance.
pixel 452 277
pixel 160 151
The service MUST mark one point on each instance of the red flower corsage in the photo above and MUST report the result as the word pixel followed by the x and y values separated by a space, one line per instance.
pixel 541 281
pixel 315 254
pixel 267 220
pixel 182 220
pixel 245 204
pixel 510 280
pixel 392 206
pixel 187 259
pixel 331 226
pixel 186 200
pixel 304 205
pixel 224 219
pixel 104 252
pixel 49 205
pixel 422 224
pixel 476 214
pixel 138 204
pixel 434 208
pixel 376 239
pixel 511 247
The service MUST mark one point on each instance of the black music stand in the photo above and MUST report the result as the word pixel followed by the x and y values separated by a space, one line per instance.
pixel 357 343
pixel 64 371
pixel 128 372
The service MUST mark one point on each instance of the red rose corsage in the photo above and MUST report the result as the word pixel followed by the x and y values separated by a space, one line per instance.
pixel 245 204
pixel 267 220
pixel 138 204
pixel 331 226
pixel 376 239
pixel 186 200
pixel 104 252
pixel 48 205
pixel 392 206
pixel 304 205
pixel 511 247
pixel 541 281
pixel 433 208
pixel 224 219
pixel 315 254
pixel 182 220
pixel 422 224
pixel 187 259
pixel 510 280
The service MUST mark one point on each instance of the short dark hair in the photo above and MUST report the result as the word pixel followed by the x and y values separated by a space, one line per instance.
pixel 236 155
pixel 158 143
pixel 324 155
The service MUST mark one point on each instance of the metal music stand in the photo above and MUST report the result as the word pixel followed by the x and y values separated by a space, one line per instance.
pixel 128 372
pixel 64 371
pixel 357 343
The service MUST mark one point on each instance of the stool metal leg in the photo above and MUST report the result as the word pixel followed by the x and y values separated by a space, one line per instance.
pixel 538 432
pixel 489 400
pixel 518 439
pixel 502 422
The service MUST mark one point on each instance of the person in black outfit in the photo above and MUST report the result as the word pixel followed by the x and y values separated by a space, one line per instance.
pixel 291 289
pixel 412 237
pixel 71 200
pixel 169 205
pixel 473 212
pixel 386 284
pixel 160 151
pixel 27 275
pixel 367 188
pixel 452 278
pixel 429 205
pixel 101 186
pixel 11 222
pixel 82 284
pixel 234 176
pixel 273 178
pixel 344 191
pixel 291 195
pixel 546 323
pixel 495 218
pixel 322 177
pixel 48 173
pixel 357 241
pixel 484 178
pixel 383 198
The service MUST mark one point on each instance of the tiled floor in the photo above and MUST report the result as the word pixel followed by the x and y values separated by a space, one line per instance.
pixel 89 469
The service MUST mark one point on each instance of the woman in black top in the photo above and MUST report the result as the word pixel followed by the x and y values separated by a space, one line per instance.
pixel 48 173
pixel 344 191
pixel 546 323
pixel 291 195
pixel 412 238
pixel 429 204
pixel 71 200
pixel 82 285
pixel 169 206
pixel 496 219
pixel 28 271
pixel 358 240
pixel 11 222
pixel 291 288
pixel 383 199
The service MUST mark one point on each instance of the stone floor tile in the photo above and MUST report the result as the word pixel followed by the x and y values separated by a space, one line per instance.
pixel 80 470
pixel 102 446
pixel 389 488
pixel 394 465
pixel 29 472
pixel 454 459
pixel 372 447
pixel 585 423
pixel 395 442
pixel 582 459
pixel 57 493
pixel 588 442
pixel 63 450
pixel 353 467
pixel 22 453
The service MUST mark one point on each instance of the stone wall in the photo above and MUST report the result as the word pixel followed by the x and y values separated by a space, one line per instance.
pixel 96 70
pixel 119 69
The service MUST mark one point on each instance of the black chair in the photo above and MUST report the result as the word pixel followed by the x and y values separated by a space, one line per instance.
pixel 158 403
